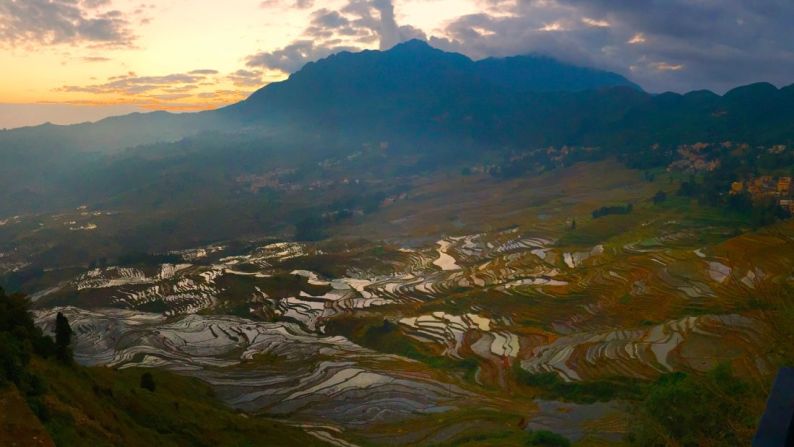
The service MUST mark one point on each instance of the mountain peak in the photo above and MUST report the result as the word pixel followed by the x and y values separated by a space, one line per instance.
pixel 413 45
pixel 416 69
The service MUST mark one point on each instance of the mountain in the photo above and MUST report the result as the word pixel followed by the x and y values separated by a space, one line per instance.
pixel 544 74
pixel 417 92
pixel 403 247
pixel 413 69
pixel 419 100
pixel 412 87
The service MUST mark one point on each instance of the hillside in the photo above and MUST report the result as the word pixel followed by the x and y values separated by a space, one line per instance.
pixel 409 248
pixel 446 317
pixel 75 405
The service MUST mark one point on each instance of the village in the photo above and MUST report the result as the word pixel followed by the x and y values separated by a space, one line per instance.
pixel 765 187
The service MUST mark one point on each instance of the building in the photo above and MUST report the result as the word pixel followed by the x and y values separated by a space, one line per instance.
pixel 784 185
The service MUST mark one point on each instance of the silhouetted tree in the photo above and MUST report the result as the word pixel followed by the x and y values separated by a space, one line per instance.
pixel 63 338
pixel 147 382
pixel 310 229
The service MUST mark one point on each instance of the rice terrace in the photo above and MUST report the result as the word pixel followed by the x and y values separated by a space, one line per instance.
pixel 446 223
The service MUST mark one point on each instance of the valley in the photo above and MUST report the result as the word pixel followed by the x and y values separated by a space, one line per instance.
pixel 454 318
pixel 403 247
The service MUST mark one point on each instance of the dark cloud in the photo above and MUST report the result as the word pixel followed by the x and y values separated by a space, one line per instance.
pixel 52 22
pixel 293 56
pixel 664 45
pixel 677 45
pixel 358 24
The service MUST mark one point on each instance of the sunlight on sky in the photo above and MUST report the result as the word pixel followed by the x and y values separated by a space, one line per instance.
pixel 174 38
pixel 186 55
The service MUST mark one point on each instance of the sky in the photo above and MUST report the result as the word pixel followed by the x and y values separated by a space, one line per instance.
pixel 69 61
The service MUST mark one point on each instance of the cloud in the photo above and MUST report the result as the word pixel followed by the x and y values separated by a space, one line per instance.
pixel 300 4
pixel 294 56
pixel 664 45
pixel 95 59
pixel 356 25
pixel 192 90
pixel 246 78
pixel 203 71
pixel 131 84
pixel 664 66
pixel 637 39
pixel 53 22
pixel 597 23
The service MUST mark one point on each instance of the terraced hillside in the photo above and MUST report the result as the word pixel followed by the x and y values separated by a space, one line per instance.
pixel 467 325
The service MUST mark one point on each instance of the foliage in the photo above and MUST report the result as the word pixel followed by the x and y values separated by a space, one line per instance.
pixel 689 410
pixel 659 197
pixel 147 382
pixel 105 407
pixel 610 210
pixel 545 438
pixel 551 386
pixel 20 340
pixel 63 338
pixel 310 229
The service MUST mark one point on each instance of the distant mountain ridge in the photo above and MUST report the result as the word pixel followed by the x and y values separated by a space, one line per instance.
pixel 421 100
pixel 417 90
pixel 415 68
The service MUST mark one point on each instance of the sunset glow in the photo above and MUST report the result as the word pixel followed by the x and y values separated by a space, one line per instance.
pixel 174 55
pixel 184 55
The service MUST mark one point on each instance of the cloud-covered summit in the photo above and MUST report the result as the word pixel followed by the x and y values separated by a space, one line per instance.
pixel 677 45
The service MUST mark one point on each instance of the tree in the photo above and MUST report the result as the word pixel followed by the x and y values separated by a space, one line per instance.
pixel 659 197
pixel 20 339
pixel 545 438
pixel 310 229
pixel 63 338
pixel 573 224
pixel 688 410
pixel 147 382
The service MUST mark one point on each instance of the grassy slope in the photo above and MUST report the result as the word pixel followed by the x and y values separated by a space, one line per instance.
pixel 106 407
pixel 18 425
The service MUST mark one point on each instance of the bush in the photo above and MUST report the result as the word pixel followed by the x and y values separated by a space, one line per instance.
pixel 310 229
pixel 546 438
pixel 63 338
pixel 147 382
pixel 19 340
pixel 551 386
pixel 14 358
pixel 610 210
pixel 659 197
pixel 686 410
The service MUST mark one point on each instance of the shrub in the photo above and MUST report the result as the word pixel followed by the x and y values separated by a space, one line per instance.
pixel 610 210
pixel 689 410
pixel 63 338
pixel 551 386
pixel 147 382
pixel 659 197
pixel 546 438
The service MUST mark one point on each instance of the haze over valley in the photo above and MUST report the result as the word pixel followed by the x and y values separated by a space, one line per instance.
pixel 451 239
